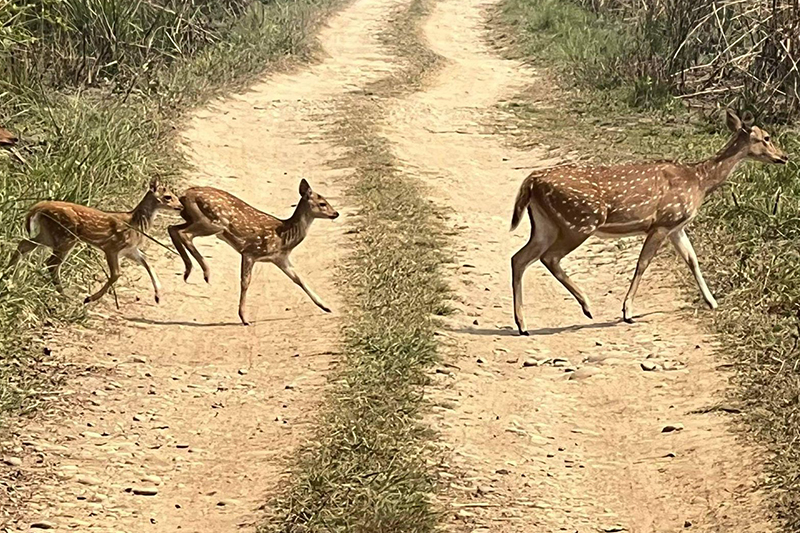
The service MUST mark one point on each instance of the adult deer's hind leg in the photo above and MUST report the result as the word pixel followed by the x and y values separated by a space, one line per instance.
pixel 543 235
pixel 552 260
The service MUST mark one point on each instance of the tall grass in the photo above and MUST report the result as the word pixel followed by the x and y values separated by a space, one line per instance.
pixel 735 52
pixel 93 88
pixel 748 233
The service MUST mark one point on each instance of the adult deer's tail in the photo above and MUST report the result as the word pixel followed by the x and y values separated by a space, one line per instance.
pixel 521 203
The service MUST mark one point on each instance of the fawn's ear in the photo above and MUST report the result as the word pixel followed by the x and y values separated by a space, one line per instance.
pixel 733 121
pixel 747 120
pixel 154 184
pixel 305 188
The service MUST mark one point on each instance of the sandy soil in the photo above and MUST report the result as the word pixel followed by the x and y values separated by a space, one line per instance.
pixel 181 399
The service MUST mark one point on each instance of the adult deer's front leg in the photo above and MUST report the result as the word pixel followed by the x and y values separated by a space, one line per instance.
pixel 288 269
pixel 684 247
pixel 113 276
pixel 651 245
pixel 247 274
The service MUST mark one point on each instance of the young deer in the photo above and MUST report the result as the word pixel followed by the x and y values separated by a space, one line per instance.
pixel 60 225
pixel 7 138
pixel 256 235
pixel 568 204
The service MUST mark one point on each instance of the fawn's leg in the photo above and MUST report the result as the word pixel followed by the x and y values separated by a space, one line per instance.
pixel 247 274
pixel 55 261
pixel 286 266
pixel 113 267
pixel 139 257
pixel 24 247
pixel 175 236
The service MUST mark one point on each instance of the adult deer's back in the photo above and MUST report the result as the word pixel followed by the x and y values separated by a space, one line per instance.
pixel 568 204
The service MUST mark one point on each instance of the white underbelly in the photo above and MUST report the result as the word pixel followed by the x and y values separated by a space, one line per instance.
pixel 618 231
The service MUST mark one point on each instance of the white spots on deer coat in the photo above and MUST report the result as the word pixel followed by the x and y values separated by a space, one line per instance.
pixel 586 198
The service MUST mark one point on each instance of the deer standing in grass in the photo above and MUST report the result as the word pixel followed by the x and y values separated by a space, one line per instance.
pixel 568 204
pixel 60 225
pixel 256 235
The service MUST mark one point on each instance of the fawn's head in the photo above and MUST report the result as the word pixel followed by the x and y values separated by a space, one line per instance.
pixel 165 198
pixel 319 206
pixel 759 142
pixel 7 138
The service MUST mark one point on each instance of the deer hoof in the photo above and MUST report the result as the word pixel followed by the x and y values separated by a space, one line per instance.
pixel 158 299
pixel 588 314
pixel 326 309
pixel 87 300
pixel 186 275
pixel 524 333
pixel 627 320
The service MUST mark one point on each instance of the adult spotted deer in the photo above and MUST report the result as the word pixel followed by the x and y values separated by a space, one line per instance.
pixel 7 138
pixel 568 204
pixel 256 235
pixel 60 225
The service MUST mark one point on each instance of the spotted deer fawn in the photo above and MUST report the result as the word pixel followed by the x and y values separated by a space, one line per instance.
pixel 568 204
pixel 256 235
pixel 7 138
pixel 60 225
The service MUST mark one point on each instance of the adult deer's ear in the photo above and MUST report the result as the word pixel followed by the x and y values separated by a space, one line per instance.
pixel 733 121
pixel 305 188
pixel 154 184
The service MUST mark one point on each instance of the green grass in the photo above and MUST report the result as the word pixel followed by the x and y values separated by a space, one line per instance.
pixel 747 234
pixel 368 469
pixel 100 144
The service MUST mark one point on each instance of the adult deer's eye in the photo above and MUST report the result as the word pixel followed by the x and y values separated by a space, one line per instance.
pixel 168 198
pixel 766 139
pixel 323 204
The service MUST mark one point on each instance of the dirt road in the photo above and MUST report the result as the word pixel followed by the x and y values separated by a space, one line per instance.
pixel 541 448
pixel 180 400
pixel 179 397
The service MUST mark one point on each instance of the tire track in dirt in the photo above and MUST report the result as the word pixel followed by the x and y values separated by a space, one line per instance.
pixel 545 448
pixel 179 397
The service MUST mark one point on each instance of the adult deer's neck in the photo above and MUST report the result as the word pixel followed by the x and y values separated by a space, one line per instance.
pixel 295 228
pixel 144 213
pixel 715 171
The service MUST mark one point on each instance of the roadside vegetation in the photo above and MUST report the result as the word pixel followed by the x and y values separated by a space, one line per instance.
pixel 370 466
pixel 648 79
pixel 94 88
